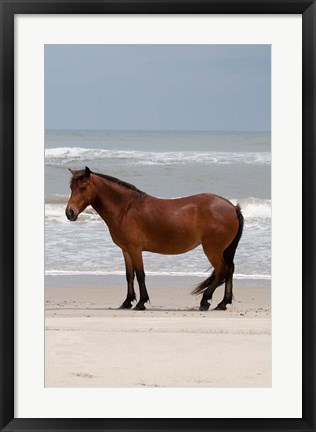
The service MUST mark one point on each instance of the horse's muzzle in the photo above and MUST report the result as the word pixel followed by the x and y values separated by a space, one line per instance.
pixel 71 214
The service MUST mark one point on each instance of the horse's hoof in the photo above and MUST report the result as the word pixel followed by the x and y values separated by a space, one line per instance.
pixel 204 307
pixel 221 307
pixel 125 306
pixel 139 307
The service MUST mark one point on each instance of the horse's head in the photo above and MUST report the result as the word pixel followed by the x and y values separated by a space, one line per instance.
pixel 82 193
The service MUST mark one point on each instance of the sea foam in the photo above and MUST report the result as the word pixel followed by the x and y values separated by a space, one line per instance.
pixel 62 156
pixel 149 273
pixel 251 208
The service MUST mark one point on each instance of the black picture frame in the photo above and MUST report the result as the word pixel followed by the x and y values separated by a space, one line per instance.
pixel 8 9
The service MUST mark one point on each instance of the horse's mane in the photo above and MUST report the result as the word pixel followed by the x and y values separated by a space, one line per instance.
pixel 119 182
pixel 78 174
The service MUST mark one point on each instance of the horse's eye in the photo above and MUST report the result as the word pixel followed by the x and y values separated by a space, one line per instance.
pixel 83 188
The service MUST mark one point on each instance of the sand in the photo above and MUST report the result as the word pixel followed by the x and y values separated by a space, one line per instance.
pixel 89 343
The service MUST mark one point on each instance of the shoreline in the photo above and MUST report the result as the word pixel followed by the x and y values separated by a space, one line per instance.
pixel 152 281
pixel 90 343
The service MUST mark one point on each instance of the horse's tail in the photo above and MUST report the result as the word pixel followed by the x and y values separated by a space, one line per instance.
pixel 203 286
pixel 229 254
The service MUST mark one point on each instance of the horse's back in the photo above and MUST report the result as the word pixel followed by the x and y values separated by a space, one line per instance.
pixel 197 213
pixel 211 204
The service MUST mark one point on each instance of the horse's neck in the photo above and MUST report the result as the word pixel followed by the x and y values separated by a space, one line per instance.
pixel 110 198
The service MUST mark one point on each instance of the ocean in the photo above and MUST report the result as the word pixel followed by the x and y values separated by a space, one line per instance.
pixel 236 165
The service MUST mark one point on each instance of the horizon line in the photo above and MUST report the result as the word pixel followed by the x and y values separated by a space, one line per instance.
pixel 155 130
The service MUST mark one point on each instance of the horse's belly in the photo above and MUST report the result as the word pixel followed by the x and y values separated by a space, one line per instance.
pixel 171 250
pixel 177 252
pixel 172 246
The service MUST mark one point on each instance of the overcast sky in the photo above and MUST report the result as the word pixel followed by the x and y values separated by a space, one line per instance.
pixel 158 87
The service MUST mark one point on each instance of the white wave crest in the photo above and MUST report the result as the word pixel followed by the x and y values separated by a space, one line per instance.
pixel 149 273
pixel 254 207
pixel 61 156
pixel 56 213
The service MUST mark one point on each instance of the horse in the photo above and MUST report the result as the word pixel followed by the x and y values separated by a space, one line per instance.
pixel 140 222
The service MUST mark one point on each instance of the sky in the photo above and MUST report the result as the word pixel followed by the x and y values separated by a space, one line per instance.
pixel 158 87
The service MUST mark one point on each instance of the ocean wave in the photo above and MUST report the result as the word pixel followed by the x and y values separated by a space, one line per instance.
pixel 64 156
pixel 148 273
pixel 252 208
pixel 55 212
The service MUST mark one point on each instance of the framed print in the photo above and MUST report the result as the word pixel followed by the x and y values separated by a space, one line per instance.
pixel 150 150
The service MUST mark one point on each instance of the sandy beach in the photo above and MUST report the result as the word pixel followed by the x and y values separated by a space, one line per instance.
pixel 90 343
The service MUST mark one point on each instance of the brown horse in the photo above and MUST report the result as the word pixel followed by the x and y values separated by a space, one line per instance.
pixel 139 222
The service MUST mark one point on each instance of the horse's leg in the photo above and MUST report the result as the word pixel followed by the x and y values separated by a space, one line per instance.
pixel 137 259
pixel 228 295
pixel 217 278
pixel 130 275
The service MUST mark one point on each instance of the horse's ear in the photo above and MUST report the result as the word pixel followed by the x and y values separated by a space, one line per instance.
pixel 72 171
pixel 87 171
